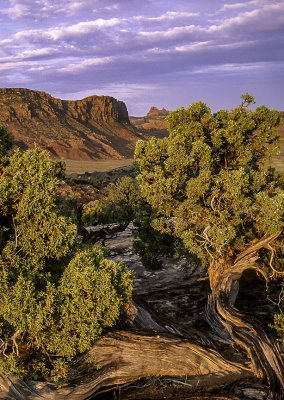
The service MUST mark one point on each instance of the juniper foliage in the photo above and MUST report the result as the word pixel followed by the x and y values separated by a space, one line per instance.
pixel 55 297
pixel 210 185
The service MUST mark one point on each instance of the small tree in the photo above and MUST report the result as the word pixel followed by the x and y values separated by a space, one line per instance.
pixel 210 183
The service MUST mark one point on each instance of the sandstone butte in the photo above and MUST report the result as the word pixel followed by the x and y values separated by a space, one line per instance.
pixel 97 127
pixel 153 124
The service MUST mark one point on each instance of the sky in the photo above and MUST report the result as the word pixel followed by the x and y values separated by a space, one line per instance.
pixel 163 53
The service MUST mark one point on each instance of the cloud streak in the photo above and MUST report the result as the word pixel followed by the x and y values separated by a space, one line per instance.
pixel 169 15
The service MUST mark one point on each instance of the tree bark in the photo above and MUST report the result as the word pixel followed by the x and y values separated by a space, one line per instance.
pixel 123 357
pixel 263 350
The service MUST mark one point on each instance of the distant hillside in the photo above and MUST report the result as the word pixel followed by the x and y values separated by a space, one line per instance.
pixel 96 127
pixel 153 124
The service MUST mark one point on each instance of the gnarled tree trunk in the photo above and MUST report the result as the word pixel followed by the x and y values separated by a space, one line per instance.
pixel 263 350
pixel 123 357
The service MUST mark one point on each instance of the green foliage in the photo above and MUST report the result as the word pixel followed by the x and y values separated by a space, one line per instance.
pixel 91 295
pixel 279 326
pixel 123 202
pixel 279 318
pixel 34 231
pixel 58 298
pixel 95 213
pixel 11 366
pixel 59 169
pixel 6 142
pixel 120 203
pixel 209 183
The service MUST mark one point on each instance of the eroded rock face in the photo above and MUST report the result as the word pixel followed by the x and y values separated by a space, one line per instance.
pixel 155 112
pixel 153 124
pixel 96 127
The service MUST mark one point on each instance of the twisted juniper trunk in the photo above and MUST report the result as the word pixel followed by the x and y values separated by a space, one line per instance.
pixel 123 357
pixel 263 350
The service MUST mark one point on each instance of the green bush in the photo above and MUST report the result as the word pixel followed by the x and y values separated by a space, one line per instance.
pixel 56 298
pixel 91 294
pixel 6 142
pixel 122 200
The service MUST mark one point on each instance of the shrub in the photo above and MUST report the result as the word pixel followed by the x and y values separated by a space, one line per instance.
pixel 120 204
pixel 55 298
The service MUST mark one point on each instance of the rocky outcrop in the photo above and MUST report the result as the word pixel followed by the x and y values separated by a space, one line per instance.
pixel 28 104
pixel 153 124
pixel 96 127
pixel 154 112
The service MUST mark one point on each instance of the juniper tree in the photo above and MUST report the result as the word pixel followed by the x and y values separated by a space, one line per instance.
pixel 211 187
pixel 210 183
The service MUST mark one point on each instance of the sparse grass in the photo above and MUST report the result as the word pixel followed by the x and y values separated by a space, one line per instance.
pixel 107 171
pixel 82 166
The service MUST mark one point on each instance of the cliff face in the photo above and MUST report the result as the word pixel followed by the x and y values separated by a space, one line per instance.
pixel 96 127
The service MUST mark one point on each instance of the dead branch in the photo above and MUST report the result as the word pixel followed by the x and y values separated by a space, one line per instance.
pixel 11 340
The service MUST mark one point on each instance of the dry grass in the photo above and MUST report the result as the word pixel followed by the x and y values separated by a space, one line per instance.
pixel 81 166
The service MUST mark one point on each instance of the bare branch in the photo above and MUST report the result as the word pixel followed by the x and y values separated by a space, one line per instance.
pixel 254 247
pixel 11 340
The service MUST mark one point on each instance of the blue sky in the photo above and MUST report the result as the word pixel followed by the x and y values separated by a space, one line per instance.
pixel 166 53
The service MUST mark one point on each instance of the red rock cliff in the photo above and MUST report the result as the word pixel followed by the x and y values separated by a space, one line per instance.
pixel 96 127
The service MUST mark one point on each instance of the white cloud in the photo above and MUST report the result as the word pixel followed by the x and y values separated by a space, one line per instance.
pixel 63 32
pixel 265 2
pixel 169 15
pixel 200 46
pixel 228 68
pixel 38 52
pixel 126 91
pixel 86 64
pixel 82 28
pixel 17 11
pixel 27 8
pixel 13 64
pixel 172 32
pixel 37 69
pixel 267 17
pixel 41 9
pixel 112 7
pixel 234 6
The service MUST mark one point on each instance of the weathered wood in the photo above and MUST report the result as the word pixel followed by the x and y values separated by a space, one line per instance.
pixel 157 364
pixel 123 357
pixel 263 350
